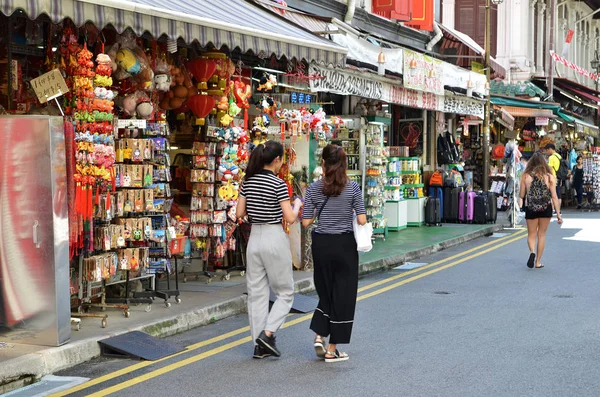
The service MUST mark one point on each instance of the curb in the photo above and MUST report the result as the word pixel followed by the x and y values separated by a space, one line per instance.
pixel 31 367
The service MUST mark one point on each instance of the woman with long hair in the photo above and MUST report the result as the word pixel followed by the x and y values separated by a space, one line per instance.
pixel 538 189
pixel 577 180
pixel 334 200
pixel 265 199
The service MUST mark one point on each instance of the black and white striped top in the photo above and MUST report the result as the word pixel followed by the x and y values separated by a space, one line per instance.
pixel 337 214
pixel 264 192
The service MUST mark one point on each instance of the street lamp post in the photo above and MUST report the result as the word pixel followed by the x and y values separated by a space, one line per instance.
pixel 596 66
pixel 488 104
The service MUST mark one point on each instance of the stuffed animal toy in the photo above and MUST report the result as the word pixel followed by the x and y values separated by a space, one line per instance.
pixel 127 61
pixel 162 82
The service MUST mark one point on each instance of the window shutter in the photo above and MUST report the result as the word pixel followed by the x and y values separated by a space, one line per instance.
pixel 393 9
pixel 383 8
pixel 422 15
pixel 403 10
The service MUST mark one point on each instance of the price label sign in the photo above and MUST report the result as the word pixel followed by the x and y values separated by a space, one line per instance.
pixel 49 86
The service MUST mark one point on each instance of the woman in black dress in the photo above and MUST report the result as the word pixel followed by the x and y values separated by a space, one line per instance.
pixel 577 180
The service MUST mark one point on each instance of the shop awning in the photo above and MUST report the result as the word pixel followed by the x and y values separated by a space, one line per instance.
pixel 587 129
pixel 231 23
pixel 460 38
pixel 593 99
pixel 527 112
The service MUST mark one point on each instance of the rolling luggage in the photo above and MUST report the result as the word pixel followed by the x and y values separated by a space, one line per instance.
pixel 481 209
pixel 466 207
pixel 451 196
pixel 493 207
pixel 438 192
pixel 432 212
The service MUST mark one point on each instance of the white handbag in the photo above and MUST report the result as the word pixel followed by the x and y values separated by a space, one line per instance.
pixel 362 235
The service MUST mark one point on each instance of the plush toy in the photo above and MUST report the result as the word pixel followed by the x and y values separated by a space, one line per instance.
pixel 267 82
pixel 162 82
pixel 129 105
pixel 144 109
pixel 127 60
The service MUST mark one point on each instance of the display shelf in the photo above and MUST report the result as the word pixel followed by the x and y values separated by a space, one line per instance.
pixel 396 173
pixel 412 185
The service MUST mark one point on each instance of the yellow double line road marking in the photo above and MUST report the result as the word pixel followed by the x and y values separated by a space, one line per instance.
pixel 464 256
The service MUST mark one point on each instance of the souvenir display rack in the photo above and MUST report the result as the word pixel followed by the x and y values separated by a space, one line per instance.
pixel 591 180
pixel 350 141
pixel 375 178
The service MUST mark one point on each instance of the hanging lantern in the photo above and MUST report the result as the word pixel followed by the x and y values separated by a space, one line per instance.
pixel 201 106
pixel 202 69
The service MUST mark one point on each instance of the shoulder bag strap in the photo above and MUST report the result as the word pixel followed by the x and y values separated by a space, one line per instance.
pixel 323 206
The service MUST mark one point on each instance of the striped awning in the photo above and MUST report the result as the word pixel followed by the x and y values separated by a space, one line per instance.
pixel 231 23
pixel 466 47
pixel 528 112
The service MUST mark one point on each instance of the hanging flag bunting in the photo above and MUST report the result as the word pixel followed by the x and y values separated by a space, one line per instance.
pixel 571 65
pixel 568 40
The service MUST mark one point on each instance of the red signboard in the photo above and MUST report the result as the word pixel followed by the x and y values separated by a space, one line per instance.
pixel 422 15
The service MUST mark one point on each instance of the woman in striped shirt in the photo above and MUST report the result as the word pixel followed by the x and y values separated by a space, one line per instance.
pixel 265 199
pixel 334 200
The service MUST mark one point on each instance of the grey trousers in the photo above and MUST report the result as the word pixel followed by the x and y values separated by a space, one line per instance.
pixel 269 264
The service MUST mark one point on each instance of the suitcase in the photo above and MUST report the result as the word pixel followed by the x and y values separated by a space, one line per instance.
pixel 438 192
pixel 451 196
pixel 493 207
pixel 433 216
pixel 481 209
pixel 466 207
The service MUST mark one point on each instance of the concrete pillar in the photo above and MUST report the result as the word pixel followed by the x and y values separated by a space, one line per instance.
pixel 448 13
pixel 514 32
pixel 532 34
pixel 541 17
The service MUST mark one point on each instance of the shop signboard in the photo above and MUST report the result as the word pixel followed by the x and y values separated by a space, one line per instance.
pixel 350 83
pixel 345 83
pixel 541 121
pixel 414 99
pixel 423 73
pixel 464 106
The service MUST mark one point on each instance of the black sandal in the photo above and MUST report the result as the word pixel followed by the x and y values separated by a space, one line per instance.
pixel 337 356
pixel 531 261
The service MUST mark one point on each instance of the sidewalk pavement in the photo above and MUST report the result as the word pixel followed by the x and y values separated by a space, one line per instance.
pixel 204 303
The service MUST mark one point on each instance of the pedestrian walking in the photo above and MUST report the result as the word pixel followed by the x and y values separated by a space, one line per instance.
pixel 577 180
pixel 554 160
pixel 538 189
pixel 264 198
pixel 334 201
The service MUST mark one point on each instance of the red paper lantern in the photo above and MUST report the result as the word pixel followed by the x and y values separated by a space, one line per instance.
pixel 202 69
pixel 201 106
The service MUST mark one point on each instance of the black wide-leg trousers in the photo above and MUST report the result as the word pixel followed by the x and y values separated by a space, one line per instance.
pixel 336 280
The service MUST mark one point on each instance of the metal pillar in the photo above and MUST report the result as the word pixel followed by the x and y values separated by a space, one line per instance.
pixel 486 121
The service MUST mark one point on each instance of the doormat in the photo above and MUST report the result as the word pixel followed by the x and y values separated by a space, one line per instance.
pixel 410 266
pixel 48 385
pixel 138 345
pixel 498 235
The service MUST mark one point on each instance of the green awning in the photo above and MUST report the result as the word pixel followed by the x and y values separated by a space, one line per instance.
pixel 566 117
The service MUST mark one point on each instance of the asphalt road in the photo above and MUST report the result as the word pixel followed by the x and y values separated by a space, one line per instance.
pixel 480 323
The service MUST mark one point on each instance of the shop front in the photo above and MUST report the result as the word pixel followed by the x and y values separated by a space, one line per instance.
pixel 122 91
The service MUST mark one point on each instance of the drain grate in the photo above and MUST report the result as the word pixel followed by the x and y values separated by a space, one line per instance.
pixel 442 293
pixel 563 296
